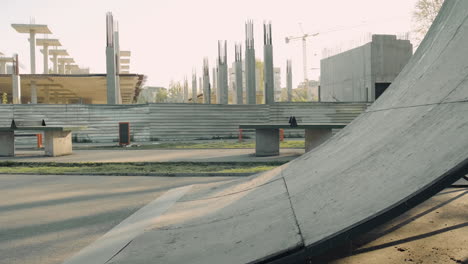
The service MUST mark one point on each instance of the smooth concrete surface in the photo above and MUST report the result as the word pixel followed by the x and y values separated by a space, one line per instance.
pixel 412 143
pixel 57 143
pixel 267 142
pixel 315 137
pixel 7 143
pixel 103 249
pixel 48 219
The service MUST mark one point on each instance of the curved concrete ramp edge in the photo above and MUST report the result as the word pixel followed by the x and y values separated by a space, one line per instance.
pixel 410 144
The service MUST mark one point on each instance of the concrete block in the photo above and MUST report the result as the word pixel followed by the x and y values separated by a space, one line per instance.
pixel 58 143
pixel 7 143
pixel 316 136
pixel 267 142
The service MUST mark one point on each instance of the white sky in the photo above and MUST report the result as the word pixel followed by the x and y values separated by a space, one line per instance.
pixel 168 38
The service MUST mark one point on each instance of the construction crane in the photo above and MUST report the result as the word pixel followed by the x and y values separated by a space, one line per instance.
pixel 304 51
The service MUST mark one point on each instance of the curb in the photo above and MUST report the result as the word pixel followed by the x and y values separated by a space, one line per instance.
pixel 143 174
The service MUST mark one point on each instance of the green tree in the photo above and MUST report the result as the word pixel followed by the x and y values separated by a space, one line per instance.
pixel 175 93
pixel 4 98
pixel 423 15
pixel 299 94
pixel 161 96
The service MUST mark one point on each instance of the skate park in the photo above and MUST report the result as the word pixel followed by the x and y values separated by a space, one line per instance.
pixel 406 148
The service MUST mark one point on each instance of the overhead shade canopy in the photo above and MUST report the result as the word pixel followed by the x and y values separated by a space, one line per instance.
pixel 89 88
pixel 48 42
pixel 26 28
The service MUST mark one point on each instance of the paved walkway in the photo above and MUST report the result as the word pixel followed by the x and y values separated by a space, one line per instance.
pixel 155 155
pixel 47 219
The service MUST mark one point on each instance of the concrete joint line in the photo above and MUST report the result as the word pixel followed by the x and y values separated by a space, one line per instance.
pixel 294 213
pixel 119 237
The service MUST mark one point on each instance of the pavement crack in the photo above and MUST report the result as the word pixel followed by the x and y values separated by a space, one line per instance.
pixel 118 252
pixel 294 213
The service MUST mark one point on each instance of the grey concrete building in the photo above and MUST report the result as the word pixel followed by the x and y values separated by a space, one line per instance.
pixel 363 73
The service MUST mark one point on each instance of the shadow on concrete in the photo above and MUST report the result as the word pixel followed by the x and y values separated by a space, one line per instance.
pixel 354 247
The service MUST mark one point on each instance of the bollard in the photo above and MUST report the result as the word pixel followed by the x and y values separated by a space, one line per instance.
pixel 281 134
pixel 39 140
pixel 240 135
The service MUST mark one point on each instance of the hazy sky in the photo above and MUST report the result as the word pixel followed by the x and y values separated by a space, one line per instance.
pixel 170 38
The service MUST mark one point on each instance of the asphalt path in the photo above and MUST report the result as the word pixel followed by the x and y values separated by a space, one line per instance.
pixel 47 219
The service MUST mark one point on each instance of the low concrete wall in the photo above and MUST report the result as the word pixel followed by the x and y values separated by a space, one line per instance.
pixel 151 122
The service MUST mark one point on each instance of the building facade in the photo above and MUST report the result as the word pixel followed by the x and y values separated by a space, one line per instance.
pixel 362 74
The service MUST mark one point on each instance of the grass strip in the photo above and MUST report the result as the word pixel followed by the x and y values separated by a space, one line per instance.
pixel 202 145
pixel 135 168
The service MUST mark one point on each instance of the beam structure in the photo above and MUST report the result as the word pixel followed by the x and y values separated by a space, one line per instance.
pixel 55 53
pixel 46 43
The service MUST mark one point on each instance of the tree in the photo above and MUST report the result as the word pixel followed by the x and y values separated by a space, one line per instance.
pixel 4 98
pixel 424 14
pixel 175 93
pixel 161 96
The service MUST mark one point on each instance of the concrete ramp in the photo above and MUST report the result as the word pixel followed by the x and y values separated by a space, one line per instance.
pixel 410 144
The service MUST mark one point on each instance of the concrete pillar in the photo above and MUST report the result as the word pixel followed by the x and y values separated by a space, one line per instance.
pixel 267 142
pixel 111 78
pixel 46 59
pixel 55 63
pixel 62 68
pixel 3 67
pixel 194 87
pixel 250 78
pixel 239 83
pixel 32 46
pixel 16 83
pixel 57 143
pixel 269 78
pixel 289 80
pixel 316 136
pixel 214 88
pixel 206 82
pixel 222 73
pixel 112 90
pixel 186 93
pixel 118 94
pixel 32 49
pixel 7 143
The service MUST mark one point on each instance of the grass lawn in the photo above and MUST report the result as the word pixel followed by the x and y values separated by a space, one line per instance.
pixel 135 168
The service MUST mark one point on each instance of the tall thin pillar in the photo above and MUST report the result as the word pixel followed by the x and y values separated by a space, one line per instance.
pixel 16 81
pixel 111 64
pixel 117 64
pixel 239 82
pixel 206 82
pixel 269 79
pixel 194 87
pixel 186 93
pixel 250 79
pixel 215 83
pixel 289 79
pixel 222 73
pixel 55 63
